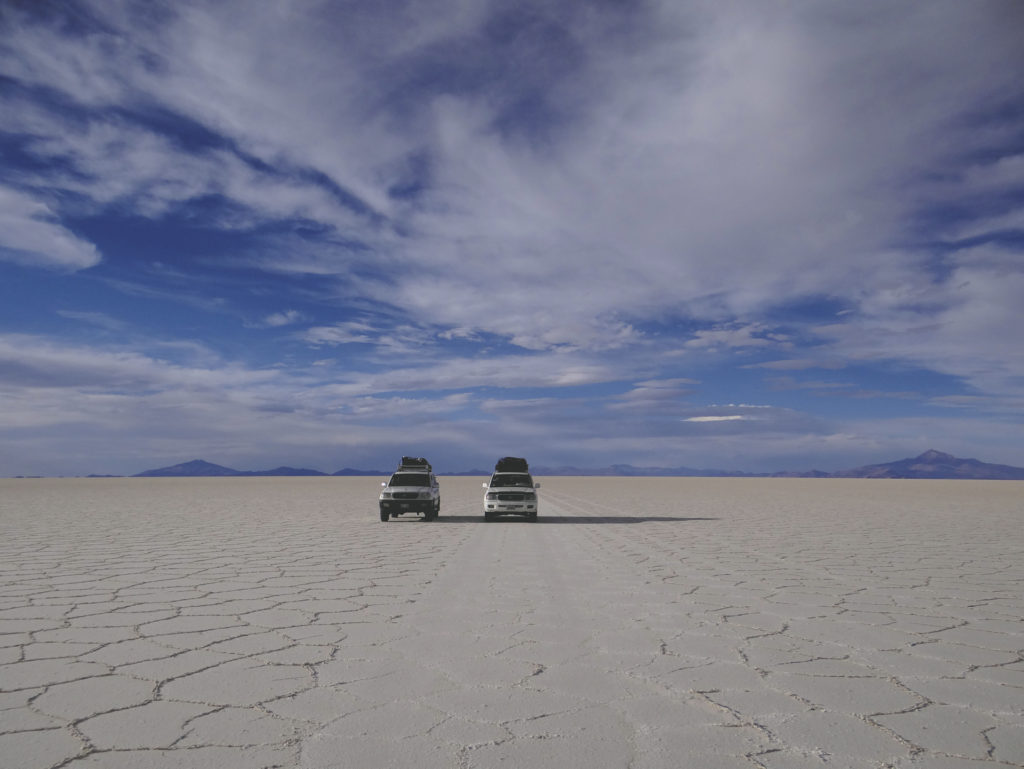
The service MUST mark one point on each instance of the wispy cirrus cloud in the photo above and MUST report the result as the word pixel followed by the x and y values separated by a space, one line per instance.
pixel 284 318
pixel 97 319
pixel 799 364
pixel 717 418
pixel 31 233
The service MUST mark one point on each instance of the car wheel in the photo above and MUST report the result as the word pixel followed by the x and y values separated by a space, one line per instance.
pixel 437 507
pixel 532 517
pixel 383 515
pixel 488 517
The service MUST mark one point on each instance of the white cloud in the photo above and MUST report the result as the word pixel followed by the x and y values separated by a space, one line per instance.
pixel 736 336
pixel 35 361
pixel 97 319
pixel 341 333
pixel 655 393
pixel 502 371
pixel 284 318
pixel 1010 220
pixel 957 326
pixel 30 233
pixel 721 418
pixel 1005 174
pixel 800 364
pixel 411 343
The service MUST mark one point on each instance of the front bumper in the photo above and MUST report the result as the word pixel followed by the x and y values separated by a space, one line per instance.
pixel 500 507
pixel 397 506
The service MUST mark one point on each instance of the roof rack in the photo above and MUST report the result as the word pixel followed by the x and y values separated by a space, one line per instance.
pixel 415 463
pixel 511 465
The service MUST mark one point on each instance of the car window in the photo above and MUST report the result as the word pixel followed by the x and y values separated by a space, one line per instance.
pixel 409 479
pixel 512 479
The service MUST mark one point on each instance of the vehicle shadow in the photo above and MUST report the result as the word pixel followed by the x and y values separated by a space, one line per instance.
pixel 620 519
pixel 572 519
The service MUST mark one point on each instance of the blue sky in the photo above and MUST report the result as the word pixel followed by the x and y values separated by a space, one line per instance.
pixel 751 235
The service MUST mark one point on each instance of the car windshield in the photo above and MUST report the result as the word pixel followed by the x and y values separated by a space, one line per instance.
pixel 410 479
pixel 512 479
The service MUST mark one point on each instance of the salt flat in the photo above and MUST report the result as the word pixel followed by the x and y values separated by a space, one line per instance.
pixel 641 623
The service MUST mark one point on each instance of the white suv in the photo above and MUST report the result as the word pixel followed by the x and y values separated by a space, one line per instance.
pixel 412 488
pixel 511 490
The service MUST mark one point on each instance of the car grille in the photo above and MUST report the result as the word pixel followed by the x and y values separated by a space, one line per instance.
pixel 511 497
pixel 405 495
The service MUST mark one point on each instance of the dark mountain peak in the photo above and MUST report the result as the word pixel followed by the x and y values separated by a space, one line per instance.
pixel 933 457
pixel 935 464
pixel 196 468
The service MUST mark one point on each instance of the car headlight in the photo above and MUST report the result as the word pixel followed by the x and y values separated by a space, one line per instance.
pixel 385 495
pixel 491 495
pixel 424 495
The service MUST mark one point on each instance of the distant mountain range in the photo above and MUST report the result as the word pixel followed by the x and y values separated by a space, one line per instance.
pixel 930 464
pixel 935 464
pixel 199 468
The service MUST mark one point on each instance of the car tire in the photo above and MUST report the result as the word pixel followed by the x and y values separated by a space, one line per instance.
pixel 489 517
pixel 532 517
pixel 384 516
pixel 437 507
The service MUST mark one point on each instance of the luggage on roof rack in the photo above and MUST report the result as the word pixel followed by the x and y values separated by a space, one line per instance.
pixel 415 462
pixel 511 465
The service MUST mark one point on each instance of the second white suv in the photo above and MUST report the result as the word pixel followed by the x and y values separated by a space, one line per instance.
pixel 511 490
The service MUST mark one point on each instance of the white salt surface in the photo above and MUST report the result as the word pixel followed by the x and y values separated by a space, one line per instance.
pixel 641 623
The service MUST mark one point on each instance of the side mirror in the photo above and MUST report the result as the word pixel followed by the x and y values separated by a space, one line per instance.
pixel 484 485
pixel 383 483
pixel 536 485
